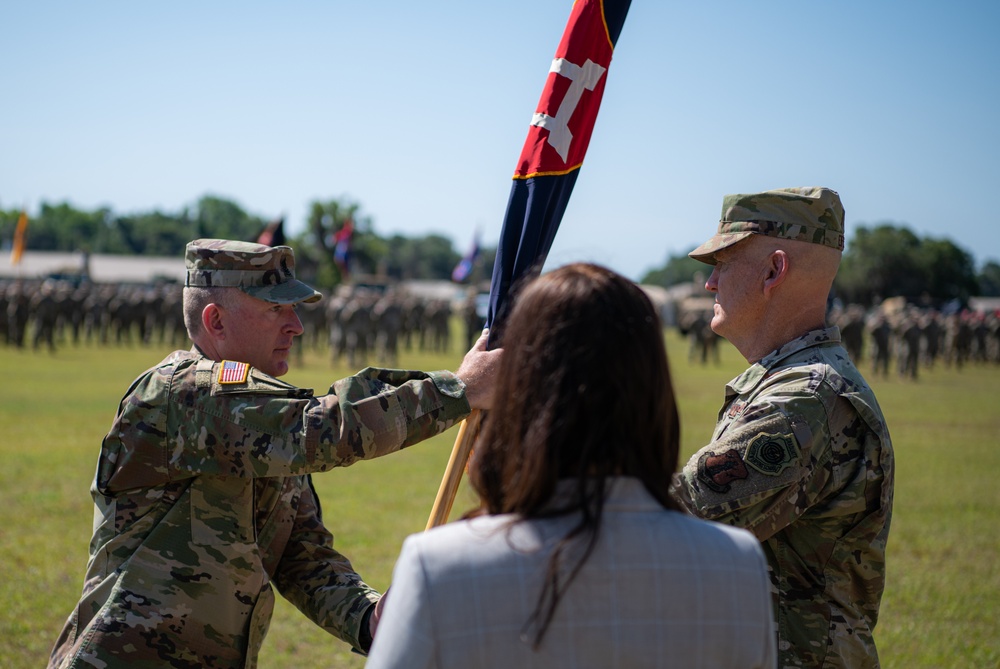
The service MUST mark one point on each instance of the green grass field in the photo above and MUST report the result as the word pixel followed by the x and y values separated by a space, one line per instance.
pixel 941 607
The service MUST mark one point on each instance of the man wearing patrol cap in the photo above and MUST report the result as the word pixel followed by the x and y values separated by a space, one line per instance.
pixel 264 272
pixel 801 454
pixel 203 492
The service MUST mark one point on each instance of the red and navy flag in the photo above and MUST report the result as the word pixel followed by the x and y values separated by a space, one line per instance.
pixel 556 145
pixel 273 233
pixel 342 246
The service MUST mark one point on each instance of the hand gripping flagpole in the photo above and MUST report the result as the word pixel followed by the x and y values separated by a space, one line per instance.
pixel 550 160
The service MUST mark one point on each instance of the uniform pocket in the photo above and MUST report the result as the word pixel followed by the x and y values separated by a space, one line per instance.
pixel 221 510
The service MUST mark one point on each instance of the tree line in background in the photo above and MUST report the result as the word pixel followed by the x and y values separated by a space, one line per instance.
pixel 886 260
pixel 62 227
pixel 880 262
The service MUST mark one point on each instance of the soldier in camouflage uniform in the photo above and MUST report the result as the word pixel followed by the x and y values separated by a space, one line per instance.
pixel 203 493
pixel 801 455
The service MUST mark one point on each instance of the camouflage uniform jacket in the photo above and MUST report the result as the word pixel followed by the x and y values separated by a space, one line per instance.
pixel 204 499
pixel 801 457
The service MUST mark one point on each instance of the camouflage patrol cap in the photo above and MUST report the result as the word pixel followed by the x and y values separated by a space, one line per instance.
pixel 805 214
pixel 264 272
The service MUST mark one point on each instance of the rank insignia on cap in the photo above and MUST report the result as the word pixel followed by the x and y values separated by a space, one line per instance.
pixel 233 372
pixel 770 454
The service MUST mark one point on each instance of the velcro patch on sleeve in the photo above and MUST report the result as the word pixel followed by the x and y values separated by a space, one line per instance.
pixel 770 454
pixel 231 372
pixel 719 470
pixel 746 464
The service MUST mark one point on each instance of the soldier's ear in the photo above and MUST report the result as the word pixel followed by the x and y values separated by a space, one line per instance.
pixel 777 270
pixel 211 321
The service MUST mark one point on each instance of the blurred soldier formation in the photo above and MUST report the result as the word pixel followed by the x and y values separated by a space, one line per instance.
pixel 358 325
pixel 891 338
pixel 361 325
pixel 899 338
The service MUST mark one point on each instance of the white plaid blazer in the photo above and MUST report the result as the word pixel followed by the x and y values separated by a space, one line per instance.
pixel 661 589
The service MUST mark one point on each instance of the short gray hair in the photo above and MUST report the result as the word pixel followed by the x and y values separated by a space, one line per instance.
pixel 197 298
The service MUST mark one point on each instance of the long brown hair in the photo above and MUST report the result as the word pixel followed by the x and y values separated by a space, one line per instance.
pixel 583 394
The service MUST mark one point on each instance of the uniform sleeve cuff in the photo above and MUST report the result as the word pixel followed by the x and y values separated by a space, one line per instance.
pixel 448 384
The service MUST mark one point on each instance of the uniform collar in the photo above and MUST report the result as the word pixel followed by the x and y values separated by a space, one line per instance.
pixel 757 371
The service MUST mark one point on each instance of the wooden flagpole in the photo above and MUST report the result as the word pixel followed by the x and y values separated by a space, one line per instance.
pixel 467 433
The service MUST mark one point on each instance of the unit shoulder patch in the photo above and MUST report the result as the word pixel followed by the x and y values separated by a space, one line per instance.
pixel 771 454
pixel 719 470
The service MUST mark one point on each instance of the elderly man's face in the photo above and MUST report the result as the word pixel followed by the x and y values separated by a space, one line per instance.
pixel 259 333
pixel 737 281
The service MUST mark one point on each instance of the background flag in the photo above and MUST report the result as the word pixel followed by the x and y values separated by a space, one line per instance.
pixel 464 267
pixel 20 238
pixel 342 246
pixel 273 233
pixel 555 147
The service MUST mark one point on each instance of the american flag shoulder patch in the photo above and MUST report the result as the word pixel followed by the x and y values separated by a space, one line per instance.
pixel 233 372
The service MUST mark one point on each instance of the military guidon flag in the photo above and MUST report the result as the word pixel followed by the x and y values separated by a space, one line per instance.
pixel 557 142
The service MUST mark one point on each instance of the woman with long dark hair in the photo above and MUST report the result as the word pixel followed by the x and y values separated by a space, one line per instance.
pixel 578 555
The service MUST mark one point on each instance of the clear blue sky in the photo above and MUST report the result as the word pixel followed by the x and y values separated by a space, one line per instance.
pixel 418 110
